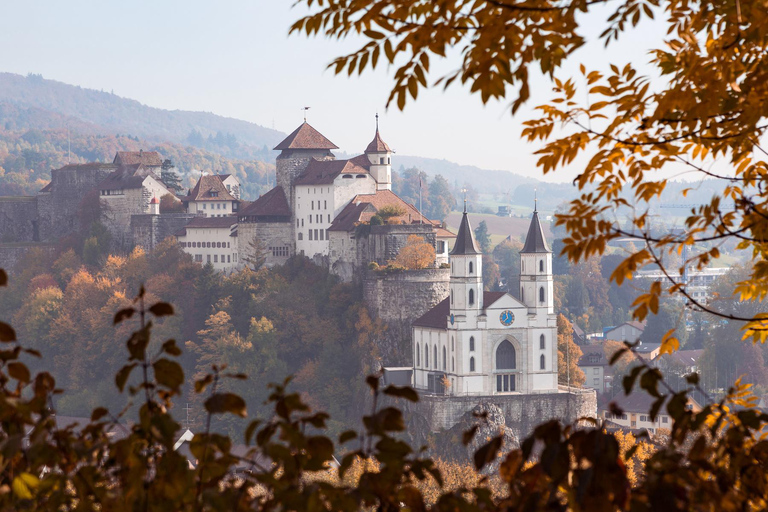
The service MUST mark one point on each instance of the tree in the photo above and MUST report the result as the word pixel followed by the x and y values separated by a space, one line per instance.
pixel 416 253
pixel 255 254
pixel 482 237
pixel 170 177
pixel 390 211
pixel 169 204
pixel 568 354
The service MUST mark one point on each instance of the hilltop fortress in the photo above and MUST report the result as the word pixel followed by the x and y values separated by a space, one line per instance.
pixel 466 345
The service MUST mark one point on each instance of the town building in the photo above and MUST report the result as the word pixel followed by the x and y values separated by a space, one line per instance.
pixel 490 343
pixel 628 331
pixel 212 240
pixel 635 413
pixel 598 371
pixel 214 195
pixel 698 282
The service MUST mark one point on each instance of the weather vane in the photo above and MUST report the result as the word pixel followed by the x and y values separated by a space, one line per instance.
pixel 377 121
pixel 535 199
pixel 305 113
pixel 464 191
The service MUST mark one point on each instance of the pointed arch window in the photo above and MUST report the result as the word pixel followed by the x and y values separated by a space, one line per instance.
pixel 435 360
pixel 472 296
pixel 445 360
pixel 471 343
pixel 542 362
pixel 471 267
pixel 541 294
pixel 471 364
pixel 418 359
pixel 453 343
pixel 506 357
pixel 541 265
pixel 426 356
pixel 542 342
pixel 451 296
pixel 453 364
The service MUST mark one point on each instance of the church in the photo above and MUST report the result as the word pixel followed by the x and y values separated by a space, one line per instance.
pixel 490 343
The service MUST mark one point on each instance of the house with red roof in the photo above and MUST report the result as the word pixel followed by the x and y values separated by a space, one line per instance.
pixel 490 343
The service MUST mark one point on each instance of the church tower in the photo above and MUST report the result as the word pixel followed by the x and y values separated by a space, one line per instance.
pixel 536 283
pixel 380 156
pixel 466 300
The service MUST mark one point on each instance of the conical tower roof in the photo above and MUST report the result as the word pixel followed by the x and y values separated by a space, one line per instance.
pixel 377 145
pixel 465 240
pixel 535 240
pixel 306 137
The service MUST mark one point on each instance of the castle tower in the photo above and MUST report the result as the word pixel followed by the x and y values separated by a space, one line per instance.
pixel 466 300
pixel 536 283
pixel 380 156
pixel 297 150
pixel 154 206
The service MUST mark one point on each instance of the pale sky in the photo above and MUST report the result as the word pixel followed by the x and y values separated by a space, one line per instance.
pixel 234 58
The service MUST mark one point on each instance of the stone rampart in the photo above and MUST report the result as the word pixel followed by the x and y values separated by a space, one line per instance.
pixel 405 295
pixel 148 230
pixel 12 254
pixel 18 219
pixel 521 412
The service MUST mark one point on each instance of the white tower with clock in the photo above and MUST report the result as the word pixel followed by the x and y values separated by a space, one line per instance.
pixel 484 343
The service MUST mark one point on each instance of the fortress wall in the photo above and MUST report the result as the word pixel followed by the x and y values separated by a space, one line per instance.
pixel 521 412
pixel 18 219
pixel 405 295
pixel 148 230
pixel 270 234
pixel 11 254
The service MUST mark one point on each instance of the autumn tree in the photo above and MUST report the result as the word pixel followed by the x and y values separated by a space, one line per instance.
pixel 568 354
pixel 390 211
pixel 483 237
pixel 255 254
pixel 416 254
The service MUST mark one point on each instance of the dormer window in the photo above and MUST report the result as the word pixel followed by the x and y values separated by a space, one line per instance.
pixel 214 193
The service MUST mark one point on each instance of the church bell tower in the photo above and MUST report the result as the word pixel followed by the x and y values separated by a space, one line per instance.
pixel 466 299
pixel 536 282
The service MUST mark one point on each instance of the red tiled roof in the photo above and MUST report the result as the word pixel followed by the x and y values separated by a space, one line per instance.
pixel 364 206
pixel 126 177
pixel 271 204
pixel 323 172
pixel 444 233
pixel 377 145
pixel 205 186
pixel 212 222
pixel 435 318
pixel 306 137
pixel 89 166
pixel 148 158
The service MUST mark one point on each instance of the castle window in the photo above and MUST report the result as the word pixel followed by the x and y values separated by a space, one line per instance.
pixel 426 356
pixel 329 218
pixel 389 160
pixel 417 355
pixel 541 294
pixel 322 234
pixel 327 234
pixel 435 359
pixel 471 296
pixel 471 343
pixel 381 160
pixel 310 235
pixel 542 342
pixel 522 270
pixel 301 236
pixel 542 362
pixel 316 235
pixel 471 268
pixel 325 204
pixel 445 359
pixel 208 258
pixel 310 219
pixel 302 222
pixel 471 364
pixel 215 258
pixel 313 205
pixel 506 358
pixel 541 265
pixel 453 364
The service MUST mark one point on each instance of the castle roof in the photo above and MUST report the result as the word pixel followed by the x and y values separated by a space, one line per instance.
pixel 377 145
pixel 364 206
pixel 227 221
pixel 465 239
pixel 126 177
pixel 435 318
pixel 535 240
pixel 210 188
pixel 323 172
pixel 89 166
pixel 270 204
pixel 306 137
pixel 147 158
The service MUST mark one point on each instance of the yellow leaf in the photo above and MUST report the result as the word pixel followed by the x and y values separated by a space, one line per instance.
pixel 24 484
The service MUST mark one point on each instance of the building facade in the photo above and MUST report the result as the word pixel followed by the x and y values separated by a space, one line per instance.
pixel 490 343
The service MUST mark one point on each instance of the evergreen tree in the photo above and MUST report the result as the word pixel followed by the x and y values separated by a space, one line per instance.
pixel 483 237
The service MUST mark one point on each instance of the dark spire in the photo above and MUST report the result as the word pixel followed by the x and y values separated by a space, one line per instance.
pixel 535 240
pixel 465 240
pixel 377 145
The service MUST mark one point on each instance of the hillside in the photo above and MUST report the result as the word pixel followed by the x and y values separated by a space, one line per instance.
pixel 115 115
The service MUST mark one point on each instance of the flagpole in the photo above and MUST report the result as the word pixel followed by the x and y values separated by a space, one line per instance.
pixel 421 215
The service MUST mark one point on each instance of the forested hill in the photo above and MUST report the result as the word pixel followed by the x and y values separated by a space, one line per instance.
pixel 125 116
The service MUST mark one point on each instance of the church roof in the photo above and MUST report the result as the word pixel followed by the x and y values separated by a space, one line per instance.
pixel 323 172
pixel 210 188
pixel 271 204
pixel 435 318
pixel 148 158
pixel 465 239
pixel 377 145
pixel 535 240
pixel 364 206
pixel 306 137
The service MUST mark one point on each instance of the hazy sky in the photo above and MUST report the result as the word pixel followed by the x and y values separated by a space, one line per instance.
pixel 234 58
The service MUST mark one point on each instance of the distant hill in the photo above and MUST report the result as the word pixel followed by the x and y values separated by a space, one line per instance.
pixel 107 111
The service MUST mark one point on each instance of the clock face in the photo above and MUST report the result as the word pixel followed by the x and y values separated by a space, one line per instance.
pixel 507 317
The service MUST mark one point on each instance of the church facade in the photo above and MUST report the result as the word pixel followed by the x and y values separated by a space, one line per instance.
pixel 490 343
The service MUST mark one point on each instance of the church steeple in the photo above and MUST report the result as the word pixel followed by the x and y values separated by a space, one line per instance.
pixel 380 156
pixel 536 281
pixel 465 240
pixel 535 241
pixel 466 274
